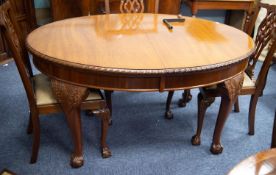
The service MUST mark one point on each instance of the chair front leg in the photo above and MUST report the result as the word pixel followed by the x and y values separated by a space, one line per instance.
pixel 30 124
pixel 229 91
pixel 251 114
pixel 104 114
pixel 203 103
pixel 168 113
pixel 35 125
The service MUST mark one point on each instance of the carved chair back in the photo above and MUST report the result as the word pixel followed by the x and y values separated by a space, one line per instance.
pixel 261 79
pixel 131 6
pixel 15 42
pixel 264 36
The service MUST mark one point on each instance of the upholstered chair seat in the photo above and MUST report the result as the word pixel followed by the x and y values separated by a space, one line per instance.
pixel 45 96
pixel 248 83
pixel 39 91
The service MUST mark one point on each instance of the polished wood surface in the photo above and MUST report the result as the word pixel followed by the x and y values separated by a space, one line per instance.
pixel 170 6
pixel 43 100
pixel 137 52
pixel 247 85
pixel 261 163
pixel 122 48
pixel 258 164
pixel 62 9
pixel 196 5
pixel 25 16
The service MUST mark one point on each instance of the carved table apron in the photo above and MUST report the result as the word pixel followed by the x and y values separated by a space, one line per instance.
pixel 137 52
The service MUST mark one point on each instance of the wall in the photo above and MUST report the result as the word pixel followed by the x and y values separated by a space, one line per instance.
pixel 43 15
pixel 42 3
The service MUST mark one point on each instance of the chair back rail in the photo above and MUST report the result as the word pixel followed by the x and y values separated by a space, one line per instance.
pixel 265 33
pixel 15 42
pixel 131 6
pixel 251 19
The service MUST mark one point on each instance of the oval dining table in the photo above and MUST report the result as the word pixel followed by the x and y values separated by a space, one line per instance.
pixel 139 53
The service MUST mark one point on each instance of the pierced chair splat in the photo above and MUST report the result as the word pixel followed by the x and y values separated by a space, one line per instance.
pixel 266 34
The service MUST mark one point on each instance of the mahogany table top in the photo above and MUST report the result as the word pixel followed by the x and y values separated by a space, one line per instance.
pixel 109 41
pixel 137 52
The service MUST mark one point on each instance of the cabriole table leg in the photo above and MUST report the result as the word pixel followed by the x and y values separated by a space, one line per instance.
pixel 230 90
pixel 70 98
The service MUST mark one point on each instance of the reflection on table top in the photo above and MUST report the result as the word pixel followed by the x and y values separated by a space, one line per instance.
pixel 140 41
pixel 262 163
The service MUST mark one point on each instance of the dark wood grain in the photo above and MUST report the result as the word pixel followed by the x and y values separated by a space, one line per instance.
pixel 169 6
pixel 143 68
pixel 25 16
pixel 62 9
pixel 196 5
pixel 265 35
pixel 16 42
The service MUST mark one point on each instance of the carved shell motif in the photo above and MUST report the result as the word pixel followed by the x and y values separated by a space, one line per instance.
pixel 132 6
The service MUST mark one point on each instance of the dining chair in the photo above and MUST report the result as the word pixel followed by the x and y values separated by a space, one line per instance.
pixel 133 6
pixel 251 86
pixel 126 6
pixel 41 99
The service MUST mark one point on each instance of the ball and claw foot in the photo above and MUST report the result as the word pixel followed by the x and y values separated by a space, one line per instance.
pixel 106 153
pixel 168 115
pixel 76 162
pixel 216 148
pixel 195 140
